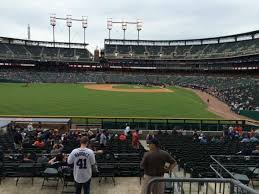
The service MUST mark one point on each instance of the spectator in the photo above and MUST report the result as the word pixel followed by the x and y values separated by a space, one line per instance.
pixel 256 151
pixel 103 139
pixel 127 130
pixel 39 143
pixel 43 159
pixel 57 149
pixel 135 139
pixel 245 139
pixel 154 164
pixel 254 139
pixel 215 139
pixel 84 161
pixel 17 140
pixel 27 158
pixel 30 127
pixel 251 133
pixel 149 136
pixel 195 135
pixel 57 161
pixel 122 137
pixel 90 134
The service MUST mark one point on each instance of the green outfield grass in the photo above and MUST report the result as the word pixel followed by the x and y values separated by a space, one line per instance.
pixel 75 100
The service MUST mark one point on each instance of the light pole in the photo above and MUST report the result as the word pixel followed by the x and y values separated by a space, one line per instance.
pixel 139 27
pixel 124 27
pixel 109 26
pixel 53 24
pixel 69 25
pixel 84 25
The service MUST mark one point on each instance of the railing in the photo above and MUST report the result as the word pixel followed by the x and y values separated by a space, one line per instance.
pixel 198 185
pixel 245 167
pixel 143 123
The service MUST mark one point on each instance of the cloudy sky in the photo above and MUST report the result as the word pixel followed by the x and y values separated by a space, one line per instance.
pixel 162 19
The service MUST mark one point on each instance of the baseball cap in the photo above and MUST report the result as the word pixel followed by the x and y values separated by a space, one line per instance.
pixel 153 141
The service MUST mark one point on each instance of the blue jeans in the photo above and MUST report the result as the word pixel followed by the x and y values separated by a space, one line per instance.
pixel 85 185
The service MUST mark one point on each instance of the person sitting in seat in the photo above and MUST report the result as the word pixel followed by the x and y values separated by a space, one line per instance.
pixel 245 139
pixel 43 159
pixel 103 139
pixel 122 137
pixel 39 143
pixel 27 158
pixel 57 149
pixel 57 161
pixel 256 151
pixel 135 139
pixel 17 140
pixel 149 136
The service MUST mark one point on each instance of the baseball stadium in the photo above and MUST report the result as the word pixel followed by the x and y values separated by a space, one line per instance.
pixel 196 99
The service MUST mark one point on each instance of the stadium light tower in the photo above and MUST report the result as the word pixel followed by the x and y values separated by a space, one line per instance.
pixel 84 25
pixel 139 26
pixel 69 25
pixel 53 24
pixel 109 26
pixel 124 27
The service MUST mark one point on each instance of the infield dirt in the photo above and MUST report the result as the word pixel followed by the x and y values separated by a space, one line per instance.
pixel 109 87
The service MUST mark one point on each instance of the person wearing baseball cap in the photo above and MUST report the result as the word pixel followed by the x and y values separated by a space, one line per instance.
pixel 155 163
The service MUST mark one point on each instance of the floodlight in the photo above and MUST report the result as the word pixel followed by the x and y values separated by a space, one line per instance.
pixel 139 24
pixel 109 23
pixel 84 22
pixel 53 20
pixel 69 21
pixel 124 25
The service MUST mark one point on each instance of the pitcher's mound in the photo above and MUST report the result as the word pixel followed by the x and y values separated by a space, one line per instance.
pixel 109 87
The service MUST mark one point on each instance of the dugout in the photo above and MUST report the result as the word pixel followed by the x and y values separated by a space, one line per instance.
pixel 49 123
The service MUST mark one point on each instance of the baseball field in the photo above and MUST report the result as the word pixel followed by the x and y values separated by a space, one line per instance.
pixel 100 100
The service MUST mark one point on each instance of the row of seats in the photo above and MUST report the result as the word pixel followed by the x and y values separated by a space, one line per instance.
pixel 194 157
pixel 43 53
pixel 114 160
pixel 220 50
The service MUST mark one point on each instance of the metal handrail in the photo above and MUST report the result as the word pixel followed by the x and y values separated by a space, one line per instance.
pixel 233 184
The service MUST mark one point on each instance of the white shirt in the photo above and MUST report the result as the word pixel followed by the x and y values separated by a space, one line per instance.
pixel 103 139
pixel 127 130
pixel 30 127
pixel 83 160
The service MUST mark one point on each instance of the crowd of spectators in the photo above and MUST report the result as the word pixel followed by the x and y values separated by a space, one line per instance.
pixel 53 145
pixel 238 93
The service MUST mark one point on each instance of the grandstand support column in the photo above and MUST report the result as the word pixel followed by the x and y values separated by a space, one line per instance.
pixel 124 27
pixel 69 36
pixel 84 37
pixel 53 34
pixel 124 32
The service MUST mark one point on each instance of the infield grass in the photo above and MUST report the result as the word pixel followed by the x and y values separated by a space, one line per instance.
pixel 75 100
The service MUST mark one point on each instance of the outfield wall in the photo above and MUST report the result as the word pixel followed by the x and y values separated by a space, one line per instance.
pixel 143 123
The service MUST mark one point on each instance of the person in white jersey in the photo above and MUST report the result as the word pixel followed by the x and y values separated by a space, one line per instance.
pixel 83 159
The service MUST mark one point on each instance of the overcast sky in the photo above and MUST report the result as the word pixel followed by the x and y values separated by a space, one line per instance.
pixel 162 19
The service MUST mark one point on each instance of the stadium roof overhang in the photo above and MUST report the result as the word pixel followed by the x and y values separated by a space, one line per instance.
pixel 213 40
pixel 42 43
